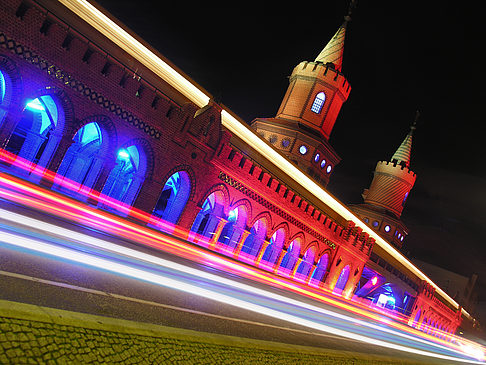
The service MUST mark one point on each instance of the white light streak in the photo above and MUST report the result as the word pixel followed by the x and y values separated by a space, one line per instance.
pixel 123 269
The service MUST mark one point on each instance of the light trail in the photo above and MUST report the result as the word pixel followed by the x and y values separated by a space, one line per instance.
pixel 119 36
pixel 131 263
pixel 58 205
pixel 52 203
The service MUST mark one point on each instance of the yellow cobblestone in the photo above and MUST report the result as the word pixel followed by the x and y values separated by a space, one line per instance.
pixel 30 334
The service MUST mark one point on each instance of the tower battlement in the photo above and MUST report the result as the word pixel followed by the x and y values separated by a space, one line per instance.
pixel 397 170
pixel 321 71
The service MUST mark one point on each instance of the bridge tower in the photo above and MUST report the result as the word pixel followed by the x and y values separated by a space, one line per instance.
pixel 306 116
pixel 385 199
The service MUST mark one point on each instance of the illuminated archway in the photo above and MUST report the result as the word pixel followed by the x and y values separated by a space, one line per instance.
pixel 290 258
pixel 5 91
pixel 305 266
pixel 38 132
pixel 319 273
pixel 173 197
pixel 83 160
pixel 126 178
pixel 208 217
pixel 342 280
pixel 254 241
pixel 233 229
pixel 273 250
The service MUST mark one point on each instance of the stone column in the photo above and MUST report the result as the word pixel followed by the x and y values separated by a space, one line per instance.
pixel 217 232
pixel 239 245
pixel 279 261
pixel 262 252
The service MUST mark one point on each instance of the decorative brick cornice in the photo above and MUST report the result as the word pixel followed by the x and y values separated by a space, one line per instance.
pixel 62 76
pixel 289 218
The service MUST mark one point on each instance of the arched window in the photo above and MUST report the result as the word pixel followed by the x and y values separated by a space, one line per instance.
pixel 34 138
pixel 82 163
pixel 306 264
pixel 4 95
pixel 290 258
pixel 127 176
pixel 233 229
pixel 173 197
pixel 273 250
pixel 319 273
pixel 318 102
pixel 342 280
pixel 208 217
pixel 255 239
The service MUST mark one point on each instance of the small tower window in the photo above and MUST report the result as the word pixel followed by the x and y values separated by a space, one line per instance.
pixel 303 150
pixel 316 157
pixel 323 163
pixel 329 168
pixel 318 102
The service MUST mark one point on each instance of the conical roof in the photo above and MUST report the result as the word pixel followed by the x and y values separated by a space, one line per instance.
pixel 402 154
pixel 333 52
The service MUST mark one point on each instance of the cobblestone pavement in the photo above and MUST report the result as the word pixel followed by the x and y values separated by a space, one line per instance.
pixel 35 335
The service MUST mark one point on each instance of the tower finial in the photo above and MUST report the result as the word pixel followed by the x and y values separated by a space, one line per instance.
pixel 332 54
pixel 352 6
pixel 414 124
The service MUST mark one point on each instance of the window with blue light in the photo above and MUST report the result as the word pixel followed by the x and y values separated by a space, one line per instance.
pixel 3 96
pixel 405 198
pixel 32 134
pixel 274 249
pixel 127 176
pixel 342 280
pixel 316 157
pixel 304 268
pixel 319 272
pixel 233 229
pixel 329 169
pixel 209 216
pixel 82 162
pixel 318 102
pixel 173 197
pixel 3 87
pixel 255 239
pixel 302 150
pixel 290 258
pixel 323 163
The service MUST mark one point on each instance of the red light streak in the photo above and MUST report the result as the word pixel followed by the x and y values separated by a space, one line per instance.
pixel 30 195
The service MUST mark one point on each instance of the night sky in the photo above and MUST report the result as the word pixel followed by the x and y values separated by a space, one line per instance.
pixel 399 57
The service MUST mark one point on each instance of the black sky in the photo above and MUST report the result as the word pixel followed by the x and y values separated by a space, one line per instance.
pixel 400 56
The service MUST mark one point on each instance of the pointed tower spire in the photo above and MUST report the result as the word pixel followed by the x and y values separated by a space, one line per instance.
pixel 402 154
pixel 334 50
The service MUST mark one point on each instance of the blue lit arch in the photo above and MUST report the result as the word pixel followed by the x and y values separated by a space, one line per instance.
pixel 276 244
pixel 342 280
pixel 5 91
pixel 305 266
pixel 212 210
pixel 174 196
pixel 319 274
pixel 236 224
pixel 38 132
pixel 291 256
pixel 128 175
pixel 318 102
pixel 11 90
pixel 83 160
pixel 254 241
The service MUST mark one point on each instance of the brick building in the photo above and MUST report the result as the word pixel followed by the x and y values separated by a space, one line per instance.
pixel 110 116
